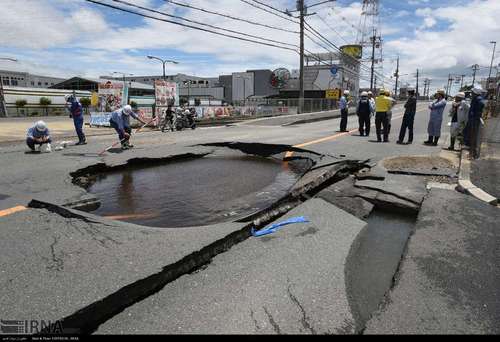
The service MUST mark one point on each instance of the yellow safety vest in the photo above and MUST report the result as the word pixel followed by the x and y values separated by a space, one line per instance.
pixel 382 104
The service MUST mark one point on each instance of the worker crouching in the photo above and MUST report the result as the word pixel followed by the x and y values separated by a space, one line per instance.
pixel 39 135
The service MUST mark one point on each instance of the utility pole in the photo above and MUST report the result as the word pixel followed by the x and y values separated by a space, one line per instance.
pixel 301 9
pixel 475 68
pixel 491 65
pixel 397 79
pixel 416 88
pixel 462 83
pixel 373 59
pixel 448 85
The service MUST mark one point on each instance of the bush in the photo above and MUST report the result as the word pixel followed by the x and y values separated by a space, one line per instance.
pixel 86 102
pixel 133 104
pixel 45 103
pixel 20 104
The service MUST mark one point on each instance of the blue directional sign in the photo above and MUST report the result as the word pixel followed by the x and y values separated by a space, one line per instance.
pixel 334 69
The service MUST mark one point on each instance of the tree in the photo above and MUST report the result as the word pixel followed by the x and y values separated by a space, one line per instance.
pixel 86 102
pixel 20 104
pixel 133 104
pixel 45 102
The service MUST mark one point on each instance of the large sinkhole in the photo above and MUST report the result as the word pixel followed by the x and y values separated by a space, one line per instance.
pixel 196 191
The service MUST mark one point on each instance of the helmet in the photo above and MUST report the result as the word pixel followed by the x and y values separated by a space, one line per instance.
pixel 461 95
pixel 346 92
pixel 127 110
pixel 364 94
pixel 442 92
pixel 41 126
pixel 370 93
pixel 69 98
pixel 477 90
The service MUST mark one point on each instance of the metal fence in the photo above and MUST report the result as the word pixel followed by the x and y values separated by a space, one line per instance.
pixel 310 105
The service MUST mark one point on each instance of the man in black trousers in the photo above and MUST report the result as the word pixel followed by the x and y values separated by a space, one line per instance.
pixel 364 111
pixel 408 118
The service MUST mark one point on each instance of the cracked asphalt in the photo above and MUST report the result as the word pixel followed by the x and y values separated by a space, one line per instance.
pixel 53 265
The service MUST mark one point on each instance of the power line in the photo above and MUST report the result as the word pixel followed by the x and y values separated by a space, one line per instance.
pixel 331 28
pixel 319 35
pixel 199 23
pixel 269 6
pixel 189 26
pixel 228 16
pixel 268 11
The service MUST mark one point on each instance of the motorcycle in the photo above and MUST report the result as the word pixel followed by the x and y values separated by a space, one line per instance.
pixel 184 119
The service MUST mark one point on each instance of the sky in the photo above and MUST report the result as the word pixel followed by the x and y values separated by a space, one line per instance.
pixel 66 38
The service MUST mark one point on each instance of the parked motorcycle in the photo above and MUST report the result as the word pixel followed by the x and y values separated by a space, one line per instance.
pixel 184 119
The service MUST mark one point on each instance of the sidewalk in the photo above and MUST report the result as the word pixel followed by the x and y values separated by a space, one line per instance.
pixel 14 129
pixel 485 171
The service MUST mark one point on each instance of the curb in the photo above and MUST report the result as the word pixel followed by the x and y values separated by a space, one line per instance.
pixel 466 186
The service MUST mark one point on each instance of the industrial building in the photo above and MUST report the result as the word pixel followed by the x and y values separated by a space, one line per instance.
pixel 27 80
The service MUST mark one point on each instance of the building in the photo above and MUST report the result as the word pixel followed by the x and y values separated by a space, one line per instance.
pixel 92 85
pixel 189 86
pixel 26 80
pixel 322 72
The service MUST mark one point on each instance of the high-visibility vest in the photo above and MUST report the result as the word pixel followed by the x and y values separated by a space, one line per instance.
pixel 382 104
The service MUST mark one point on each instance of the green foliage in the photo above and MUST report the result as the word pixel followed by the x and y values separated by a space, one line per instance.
pixel 21 103
pixel 85 101
pixel 133 104
pixel 45 103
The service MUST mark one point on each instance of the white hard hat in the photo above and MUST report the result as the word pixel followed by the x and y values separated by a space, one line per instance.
pixel 346 92
pixel 127 110
pixel 68 97
pixel 478 90
pixel 41 126
pixel 461 95
pixel 370 93
pixel 364 93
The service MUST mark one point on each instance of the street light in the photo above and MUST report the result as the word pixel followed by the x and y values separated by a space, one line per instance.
pixel 163 61
pixel 3 106
pixel 188 83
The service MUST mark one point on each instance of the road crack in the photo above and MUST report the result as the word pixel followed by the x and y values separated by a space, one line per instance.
pixel 275 325
pixel 305 320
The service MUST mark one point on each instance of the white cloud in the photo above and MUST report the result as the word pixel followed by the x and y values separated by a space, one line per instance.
pixel 455 49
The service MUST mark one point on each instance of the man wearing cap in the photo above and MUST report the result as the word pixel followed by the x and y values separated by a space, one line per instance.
pixel 459 116
pixel 39 135
pixel 344 110
pixel 475 115
pixel 120 121
pixel 436 118
pixel 382 105
pixel 76 110
pixel 364 111
pixel 408 118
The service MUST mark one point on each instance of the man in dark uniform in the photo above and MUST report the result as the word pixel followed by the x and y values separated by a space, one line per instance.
pixel 408 118
pixel 364 110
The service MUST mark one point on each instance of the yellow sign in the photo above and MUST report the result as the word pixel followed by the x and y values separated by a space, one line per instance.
pixel 355 51
pixel 332 94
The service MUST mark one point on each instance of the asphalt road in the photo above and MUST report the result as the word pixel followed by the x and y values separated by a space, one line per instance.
pixel 44 253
